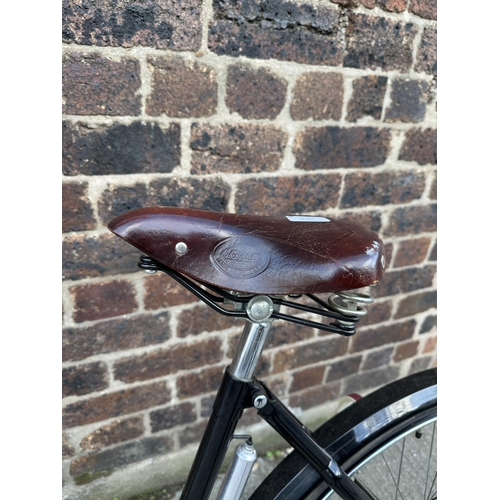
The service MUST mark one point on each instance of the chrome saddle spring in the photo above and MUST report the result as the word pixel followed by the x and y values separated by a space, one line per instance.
pixel 348 303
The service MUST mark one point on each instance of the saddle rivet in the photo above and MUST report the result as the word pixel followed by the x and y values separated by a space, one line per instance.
pixel 181 248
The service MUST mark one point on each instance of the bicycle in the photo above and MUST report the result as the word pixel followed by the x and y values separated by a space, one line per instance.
pixel 251 267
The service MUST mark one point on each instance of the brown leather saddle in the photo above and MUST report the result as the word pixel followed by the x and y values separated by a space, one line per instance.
pixel 256 254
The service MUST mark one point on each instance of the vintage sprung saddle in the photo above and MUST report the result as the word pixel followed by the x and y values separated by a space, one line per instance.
pixel 256 254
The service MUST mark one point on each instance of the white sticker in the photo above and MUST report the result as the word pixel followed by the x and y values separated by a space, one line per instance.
pixel 306 218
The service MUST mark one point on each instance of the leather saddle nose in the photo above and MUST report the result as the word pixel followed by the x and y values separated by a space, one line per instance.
pixel 256 254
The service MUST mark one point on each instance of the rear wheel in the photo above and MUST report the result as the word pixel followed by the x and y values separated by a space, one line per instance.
pixel 386 442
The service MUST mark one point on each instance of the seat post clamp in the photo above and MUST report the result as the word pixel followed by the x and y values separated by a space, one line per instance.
pixel 260 308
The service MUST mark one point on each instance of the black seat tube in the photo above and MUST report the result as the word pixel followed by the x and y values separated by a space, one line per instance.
pixel 232 398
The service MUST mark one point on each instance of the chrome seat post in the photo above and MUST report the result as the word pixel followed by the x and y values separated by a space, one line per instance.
pixel 254 336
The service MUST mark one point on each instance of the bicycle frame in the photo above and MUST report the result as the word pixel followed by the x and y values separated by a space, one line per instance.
pixel 238 391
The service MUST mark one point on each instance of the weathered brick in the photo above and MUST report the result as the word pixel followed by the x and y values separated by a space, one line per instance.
pixel 378 312
pixel 405 280
pixel 254 94
pixel 162 362
pixel 181 88
pixel 115 404
pixel 367 97
pixel 283 333
pixel 201 319
pixel 115 335
pixel 369 218
pixel 408 101
pixel 77 212
pixel 315 396
pixel 412 220
pixel 280 30
pixel 95 85
pixel 411 252
pixel 103 300
pixel 236 148
pixel 427 52
pixel 420 145
pixel 424 8
pixel 205 194
pixel 430 345
pixel 336 147
pixel 123 429
pixel 392 5
pixel 67 450
pixel 122 455
pixel 160 290
pixel 428 324
pixel 172 416
pixel 365 188
pixel 203 382
pixel 91 256
pixel 419 364
pixel 84 379
pixel 192 433
pixel 369 4
pixel 288 195
pixel 309 377
pixel 406 350
pixel 416 303
pixel 371 338
pixel 141 147
pixel 165 24
pixel 378 358
pixel 340 369
pixel 318 96
pixel 433 190
pixel 314 352
pixel 378 42
pixel 361 382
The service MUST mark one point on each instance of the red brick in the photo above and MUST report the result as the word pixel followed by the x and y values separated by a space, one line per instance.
pixel 412 220
pixel 123 429
pixel 77 212
pixel 421 363
pixel 238 148
pixel 427 52
pixel 405 280
pixel 406 350
pixel 416 303
pixel 408 101
pixel 343 368
pixel 378 312
pixel 361 382
pixel 115 404
pixel 84 379
pixel 192 433
pixel 138 147
pixel 160 290
pixel 378 358
pixel 92 256
pixel 165 25
pixel 306 378
pixel 115 335
pixel 203 319
pixel 103 300
pixel 371 338
pixel 181 88
pixel 420 145
pixel 378 42
pixel 365 188
pixel 162 362
pixel 336 147
pixel 254 94
pixel 315 396
pixel 411 252
pixel 283 333
pixel 94 85
pixel 276 30
pixel 367 97
pixel 318 96
pixel 392 5
pixel 288 195
pixel 203 382
pixel 311 353
pixel 424 8
pixel 430 345
pixel 172 416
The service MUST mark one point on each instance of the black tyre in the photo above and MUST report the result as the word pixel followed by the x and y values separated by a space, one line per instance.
pixel 386 442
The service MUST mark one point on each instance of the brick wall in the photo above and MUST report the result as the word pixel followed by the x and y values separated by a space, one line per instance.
pixel 271 107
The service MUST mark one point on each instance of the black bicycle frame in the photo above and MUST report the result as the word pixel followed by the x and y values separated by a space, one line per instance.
pixel 233 397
